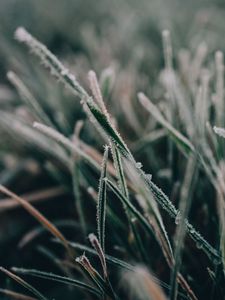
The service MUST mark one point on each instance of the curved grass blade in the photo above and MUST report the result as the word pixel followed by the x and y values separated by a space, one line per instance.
pixel 57 278
pixel 60 138
pixel 24 284
pixel 96 245
pixel 94 275
pixel 14 295
pixel 26 136
pixel 38 216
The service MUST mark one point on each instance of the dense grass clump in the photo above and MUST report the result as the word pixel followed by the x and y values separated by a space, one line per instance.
pixel 120 171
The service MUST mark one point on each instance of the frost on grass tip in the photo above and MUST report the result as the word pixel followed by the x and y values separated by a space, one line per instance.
pixel 220 131
pixel 22 35
pixel 50 61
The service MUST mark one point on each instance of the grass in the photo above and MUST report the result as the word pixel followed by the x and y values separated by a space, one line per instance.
pixel 157 187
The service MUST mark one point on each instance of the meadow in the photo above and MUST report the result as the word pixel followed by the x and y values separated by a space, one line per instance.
pixel 112 153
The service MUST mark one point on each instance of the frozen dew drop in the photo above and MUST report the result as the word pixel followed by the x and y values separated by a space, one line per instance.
pixel 199 245
pixel 148 178
pixel 64 72
pixel 192 230
pixel 216 260
pixel 138 165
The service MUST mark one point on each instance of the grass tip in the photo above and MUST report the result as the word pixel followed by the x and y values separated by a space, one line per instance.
pixel 220 131
pixel 21 34
pixel 91 237
pixel 166 33
pixel 142 98
pixel 10 75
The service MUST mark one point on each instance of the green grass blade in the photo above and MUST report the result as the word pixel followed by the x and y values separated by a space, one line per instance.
pixel 119 170
pixel 58 278
pixel 103 121
pixel 129 205
pixel 101 206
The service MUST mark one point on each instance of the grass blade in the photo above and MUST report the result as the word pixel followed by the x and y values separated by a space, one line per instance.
pixel 220 131
pixel 37 215
pixel 181 140
pixel 184 206
pixel 101 206
pixel 114 261
pixel 58 278
pixel 26 137
pixel 50 61
pixel 28 98
pixel 14 295
pixel 23 283
pixel 119 170
pixel 92 273
pixel 129 205
pixel 96 245
pixel 104 123
pixel 60 138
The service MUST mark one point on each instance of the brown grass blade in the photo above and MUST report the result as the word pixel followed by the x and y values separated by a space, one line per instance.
pixel 36 196
pixel 23 283
pixel 37 215
pixel 16 296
